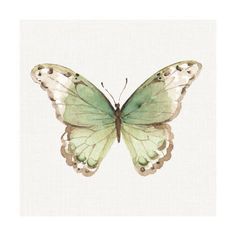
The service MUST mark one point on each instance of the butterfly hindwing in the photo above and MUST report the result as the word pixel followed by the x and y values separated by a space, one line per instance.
pixel 149 146
pixel 84 148
pixel 88 114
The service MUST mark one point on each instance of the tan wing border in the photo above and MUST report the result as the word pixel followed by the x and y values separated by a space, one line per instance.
pixel 160 162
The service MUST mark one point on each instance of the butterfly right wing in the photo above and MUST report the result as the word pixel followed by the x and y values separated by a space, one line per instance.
pixel 88 114
pixel 159 98
pixel 149 146
pixel 145 113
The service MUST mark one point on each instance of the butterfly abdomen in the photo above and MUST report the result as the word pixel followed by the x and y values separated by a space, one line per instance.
pixel 118 121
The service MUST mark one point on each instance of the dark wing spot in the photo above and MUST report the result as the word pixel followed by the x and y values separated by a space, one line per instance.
pixel 166 73
pixel 178 68
pixel 190 64
pixel 43 85
pixel 50 71
pixel 188 71
pixel 158 79
pixel 76 76
pixel 139 105
pixel 158 74
pixel 67 74
pixel 159 164
pixel 39 74
pixel 52 99
pixel 40 67
pixel 142 169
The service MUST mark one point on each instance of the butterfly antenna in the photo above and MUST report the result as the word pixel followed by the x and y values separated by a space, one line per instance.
pixel 108 93
pixel 126 81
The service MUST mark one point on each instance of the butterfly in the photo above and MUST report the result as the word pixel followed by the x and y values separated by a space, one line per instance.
pixel 92 123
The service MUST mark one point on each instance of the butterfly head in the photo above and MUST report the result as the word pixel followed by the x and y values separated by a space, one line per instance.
pixel 117 106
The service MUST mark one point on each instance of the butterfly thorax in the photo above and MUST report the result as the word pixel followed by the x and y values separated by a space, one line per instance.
pixel 118 121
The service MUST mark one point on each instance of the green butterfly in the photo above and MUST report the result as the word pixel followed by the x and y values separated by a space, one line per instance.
pixel 92 123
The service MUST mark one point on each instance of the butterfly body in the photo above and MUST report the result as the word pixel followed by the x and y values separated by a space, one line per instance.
pixel 118 121
pixel 92 123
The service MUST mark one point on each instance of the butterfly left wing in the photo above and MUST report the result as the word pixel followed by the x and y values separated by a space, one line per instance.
pixel 144 115
pixel 76 101
pixel 88 114
pixel 84 148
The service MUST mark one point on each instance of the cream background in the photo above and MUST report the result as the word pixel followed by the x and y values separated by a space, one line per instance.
pixel 109 51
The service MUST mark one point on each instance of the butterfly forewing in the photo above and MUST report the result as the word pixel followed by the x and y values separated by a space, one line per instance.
pixel 158 99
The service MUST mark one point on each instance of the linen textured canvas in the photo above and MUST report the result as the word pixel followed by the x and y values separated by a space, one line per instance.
pixel 100 38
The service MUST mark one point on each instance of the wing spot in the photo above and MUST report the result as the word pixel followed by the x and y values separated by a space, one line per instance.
pixel 52 99
pixel 142 169
pixel 77 79
pixel 43 85
pixel 139 105
pixel 166 73
pixel 39 74
pixel 40 67
pixel 190 64
pixel 188 71
pixel 159 164
pixel 67 74
pixel 157 80
pixel 178 68
pixel 50 71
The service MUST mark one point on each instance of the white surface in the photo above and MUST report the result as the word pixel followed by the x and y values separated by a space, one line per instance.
pixel 109 52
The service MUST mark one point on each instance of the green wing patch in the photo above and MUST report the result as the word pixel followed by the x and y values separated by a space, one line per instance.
pixel 76 101
pixel 159 98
